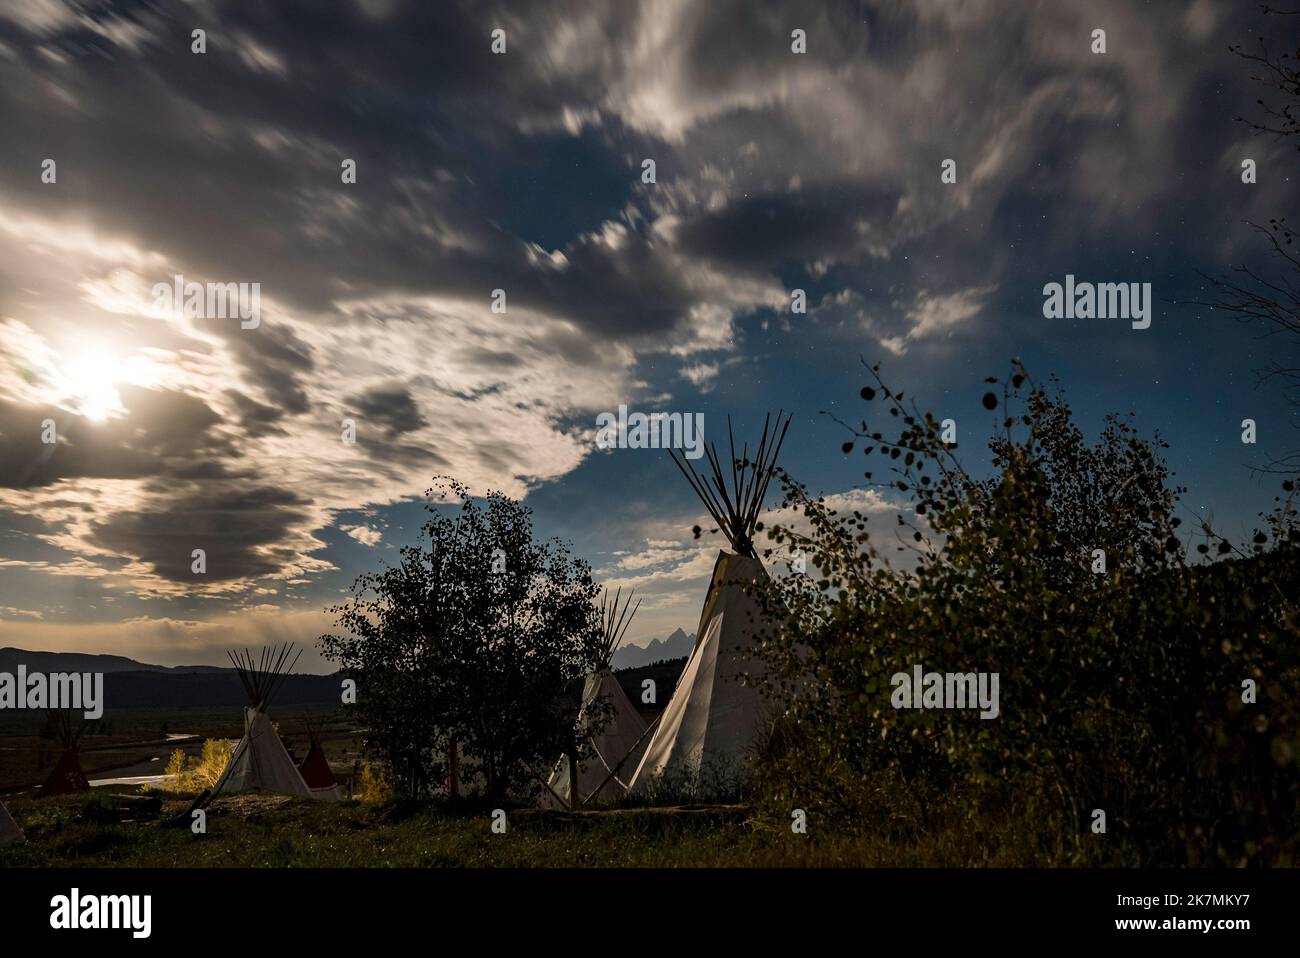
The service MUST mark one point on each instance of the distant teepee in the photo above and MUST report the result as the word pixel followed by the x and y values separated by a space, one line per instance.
pixel 67 776
pixel 315 769
pixel 617 746
pixel 260 762
pixel 703 735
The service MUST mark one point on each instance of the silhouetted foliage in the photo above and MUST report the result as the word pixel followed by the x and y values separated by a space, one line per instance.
pixel 476 636
pixel 1120 690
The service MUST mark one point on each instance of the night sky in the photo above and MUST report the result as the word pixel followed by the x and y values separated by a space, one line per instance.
pixel 522 171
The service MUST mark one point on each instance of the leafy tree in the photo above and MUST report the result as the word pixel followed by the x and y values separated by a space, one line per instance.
pixel 471 640
pixel 1121 685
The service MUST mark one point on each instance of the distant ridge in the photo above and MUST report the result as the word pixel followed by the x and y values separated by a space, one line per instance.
pixel 676 646
pixel 135 685
pixel 11 657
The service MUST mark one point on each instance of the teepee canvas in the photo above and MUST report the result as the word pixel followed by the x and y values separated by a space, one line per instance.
pixel 316 772
pixel 260 761
pixel 618 742
pixel 67 776
pixel 10 833
pixel 703 737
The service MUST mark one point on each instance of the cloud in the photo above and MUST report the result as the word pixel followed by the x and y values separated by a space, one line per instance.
pixel 165 434
pixel 364 534
pixel 775 169
pixel 40 16
pixel 933 314
pixel 163 640
pixel 701 375
pixel 9 612
pixel 1200 19
pixel 896 324
pixel 244 530
pixel 392 408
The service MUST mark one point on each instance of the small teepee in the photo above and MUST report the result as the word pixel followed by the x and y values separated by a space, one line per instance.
pixel 702 738
pixel 67 776
pixel 315 769
pixel 10 833
pixel 617 746
pixel 260 762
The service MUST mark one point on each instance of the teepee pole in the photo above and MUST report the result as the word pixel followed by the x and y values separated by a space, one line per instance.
pixel 736 505
pixel 558 797
pixel 614 771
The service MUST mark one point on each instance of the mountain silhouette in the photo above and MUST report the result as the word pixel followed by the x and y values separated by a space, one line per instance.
pixel 11 658
pixel 676 646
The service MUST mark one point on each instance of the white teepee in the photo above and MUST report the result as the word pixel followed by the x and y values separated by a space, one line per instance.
pixel 617 747
pixel 620 740
pixel 10 833
pixel 702 739
pixel 713 717
pixel 261 762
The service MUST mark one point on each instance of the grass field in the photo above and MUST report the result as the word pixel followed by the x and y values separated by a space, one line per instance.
pixel 273 831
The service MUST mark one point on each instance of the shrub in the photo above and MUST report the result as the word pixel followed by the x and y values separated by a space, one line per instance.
pixel 203 771
pixel 374 785
pixel 1120 690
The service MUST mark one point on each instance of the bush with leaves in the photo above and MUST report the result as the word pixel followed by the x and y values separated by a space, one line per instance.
pixel 1120 690
pixel 373 785
pixel 472 640
pixel 202 771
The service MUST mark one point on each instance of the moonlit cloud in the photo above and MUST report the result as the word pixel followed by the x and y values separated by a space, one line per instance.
pixel 364 534
pixel 523 173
